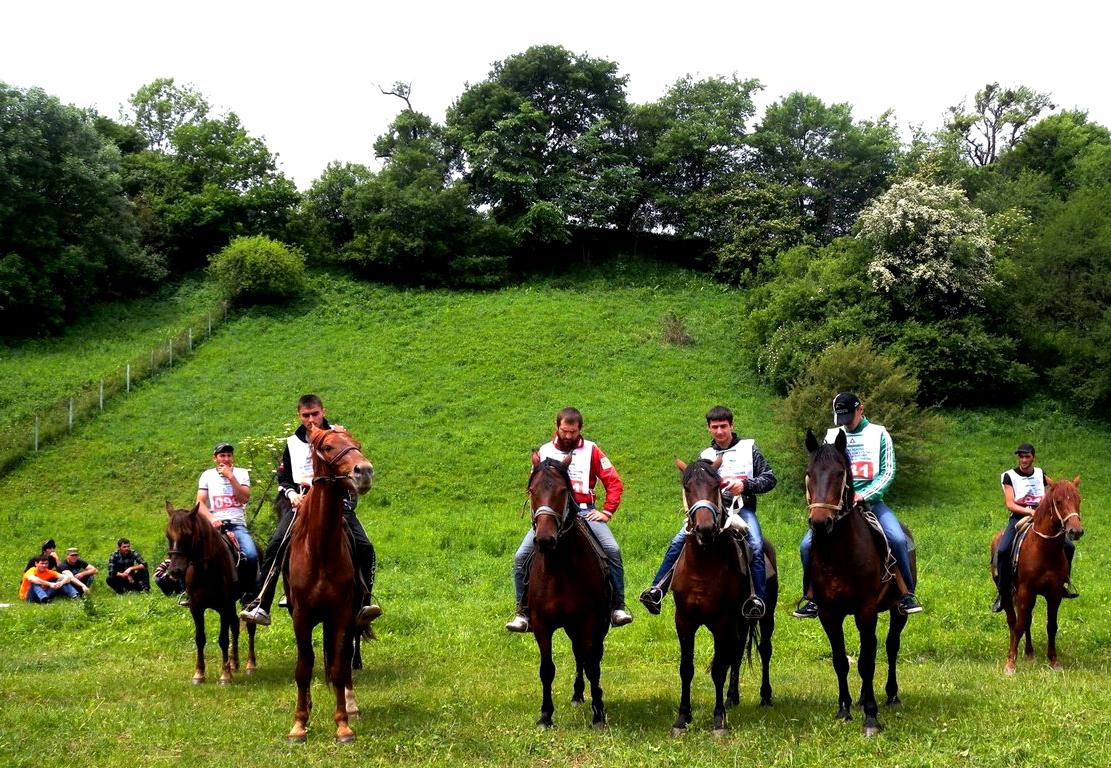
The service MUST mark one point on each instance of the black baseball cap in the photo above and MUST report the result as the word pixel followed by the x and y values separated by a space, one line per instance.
pixel 844 406
pixel 1025 448
pixel 223 448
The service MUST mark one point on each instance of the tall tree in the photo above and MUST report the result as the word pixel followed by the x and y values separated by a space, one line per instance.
pixel 997 119
pixel 832 165
pixel 161 107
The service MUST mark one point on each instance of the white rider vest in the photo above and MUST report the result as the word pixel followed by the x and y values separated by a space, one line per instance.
pixel 1028 490
pixel 736 461
pixel 579 469
pixel 863 448
pixel 300 459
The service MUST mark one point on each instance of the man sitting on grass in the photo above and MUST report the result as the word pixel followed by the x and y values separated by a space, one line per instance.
pixel 42 583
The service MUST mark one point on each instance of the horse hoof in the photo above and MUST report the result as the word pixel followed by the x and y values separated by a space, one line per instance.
pixel 545 721
pixel 872 730
pixel 766 702
pixel 345 737
pixel 1009 669
pixel 677 731
pixel 295 738
pixel 844 714
pixel 1056 666
pixel 250 669
pixel 224 680
pixel 720 732
pixel 732 701
pixel 600 725
pixel 197 680
pixel 894 701
pixel 577 701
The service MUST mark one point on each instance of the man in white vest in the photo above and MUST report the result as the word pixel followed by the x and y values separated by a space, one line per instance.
pixel 295 477
pixel 744 473
pixel 588 465
pixel 1023 489
pixel 872 462
pixel 222 495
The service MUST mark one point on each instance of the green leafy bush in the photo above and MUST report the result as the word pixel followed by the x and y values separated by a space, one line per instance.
pixel 958 362
pixel 258 269
pixel 887 389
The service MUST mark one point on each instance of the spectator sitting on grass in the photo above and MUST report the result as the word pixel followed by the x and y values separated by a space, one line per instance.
pixel 127 570
pixel 80 569
pixel 48 549
pixel 42 583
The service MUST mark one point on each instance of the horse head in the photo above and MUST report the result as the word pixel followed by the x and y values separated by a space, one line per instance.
pixel 829 486
pixel 1064 500
pixel 702 498
pixel 551 499
pixel 338 457
pixel 182 537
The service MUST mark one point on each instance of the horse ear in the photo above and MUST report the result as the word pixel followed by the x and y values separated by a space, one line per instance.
pixel 682 465
pixel 535 458
pixel 811 441
pixel 841 440
pixel 717 463
pixel 1049 481
pixel 566 461
pixel 1076 481
pixel 196 508
pixel 169 508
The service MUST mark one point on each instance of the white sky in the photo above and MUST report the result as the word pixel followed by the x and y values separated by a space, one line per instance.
pixel 304 75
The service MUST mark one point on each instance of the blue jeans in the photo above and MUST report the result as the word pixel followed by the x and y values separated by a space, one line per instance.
pixel 755 541
pixel 40 594
pixel 895 537
pixel 609 546
pixel 246 543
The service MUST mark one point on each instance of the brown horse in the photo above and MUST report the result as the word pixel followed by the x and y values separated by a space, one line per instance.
pixel 567 586
pixel 1042 567
pixel 849 576
pixel 320 574
pixel 709 586
pixel 201 559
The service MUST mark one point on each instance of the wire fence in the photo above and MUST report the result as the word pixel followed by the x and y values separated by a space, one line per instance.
pixel 62 417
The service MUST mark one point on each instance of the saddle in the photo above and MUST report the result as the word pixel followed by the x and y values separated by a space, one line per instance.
pixel 595 547
pixel 883 546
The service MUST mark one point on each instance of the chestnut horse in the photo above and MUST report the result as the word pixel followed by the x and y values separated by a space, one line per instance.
pixel 201 560
pixel 567 586
pixel 1042 567
pixel 320 574
pixel 849 576
pixel 709 588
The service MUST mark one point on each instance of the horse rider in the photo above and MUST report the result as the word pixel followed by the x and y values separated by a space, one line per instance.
pixel 872 462
pixel 295 476
pixel 222 495
pixel 588 465
pixel 1023 490
pixel 744 474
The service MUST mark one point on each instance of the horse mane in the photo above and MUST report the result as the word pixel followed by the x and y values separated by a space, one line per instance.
pixel 700 465
pixel 550 463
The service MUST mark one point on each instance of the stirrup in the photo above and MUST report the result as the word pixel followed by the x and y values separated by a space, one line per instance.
pixel 753 608
pixel 652 599
pixel 1070 590
pixel 805 609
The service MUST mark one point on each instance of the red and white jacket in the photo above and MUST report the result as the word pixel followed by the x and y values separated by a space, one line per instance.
pixel 588 466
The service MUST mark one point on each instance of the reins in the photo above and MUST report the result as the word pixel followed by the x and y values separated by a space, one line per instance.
pixel 841 508
pixel 1061 520
pixel 545 510
pixel 715 509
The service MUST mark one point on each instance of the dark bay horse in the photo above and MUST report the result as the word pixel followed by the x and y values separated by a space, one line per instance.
pixel 1042 567
pixel 709 586
pixel 849 576
pixel 567 586
pixel 320 574
pixel 201 559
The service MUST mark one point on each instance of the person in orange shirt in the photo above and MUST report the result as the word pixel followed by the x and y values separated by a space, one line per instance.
pixel 41 584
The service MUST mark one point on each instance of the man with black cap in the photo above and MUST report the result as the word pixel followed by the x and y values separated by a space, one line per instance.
pixel 295 477
pixel 1023 489
pixel 872 460
pixel 222 495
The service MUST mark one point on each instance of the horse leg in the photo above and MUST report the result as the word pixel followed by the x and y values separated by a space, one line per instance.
pixel 252 665
pixel 337 638
pixel 835 632
pixel 577 696
pixel 767 627
pixel 357 659
pixel 1051 606
pixel 225 647
pixel 894 640
pixel 686 674
pixel 588 657
pixel 1024 609
pixel 200 639
pixel 1009 606
pixel 866 666
pixel 303 675
pixel 733 691
pixel 547 674
pixel 724 653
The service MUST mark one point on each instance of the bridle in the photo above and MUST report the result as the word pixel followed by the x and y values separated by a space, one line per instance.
pixel 331 463
pixel 1061 520
pixel 840 509
pixel 562 519
pixel 715 508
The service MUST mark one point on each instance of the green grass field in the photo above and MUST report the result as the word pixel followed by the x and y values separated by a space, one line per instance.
pixel 448 392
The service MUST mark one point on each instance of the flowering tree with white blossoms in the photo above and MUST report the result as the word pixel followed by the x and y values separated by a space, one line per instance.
pixel 932 252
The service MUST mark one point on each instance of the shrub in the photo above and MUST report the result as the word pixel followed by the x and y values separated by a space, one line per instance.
pixel 887 389
pixel 258 269
pixel 675 330
pixel 958 362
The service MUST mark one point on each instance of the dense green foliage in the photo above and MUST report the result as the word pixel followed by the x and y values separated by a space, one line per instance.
pixel 67 233
pixel 258 269
pixel 448 398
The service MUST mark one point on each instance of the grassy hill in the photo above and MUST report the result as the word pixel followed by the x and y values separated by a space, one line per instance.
pixel 448 392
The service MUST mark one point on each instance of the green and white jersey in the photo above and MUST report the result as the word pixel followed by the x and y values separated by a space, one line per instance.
pixel 871 457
